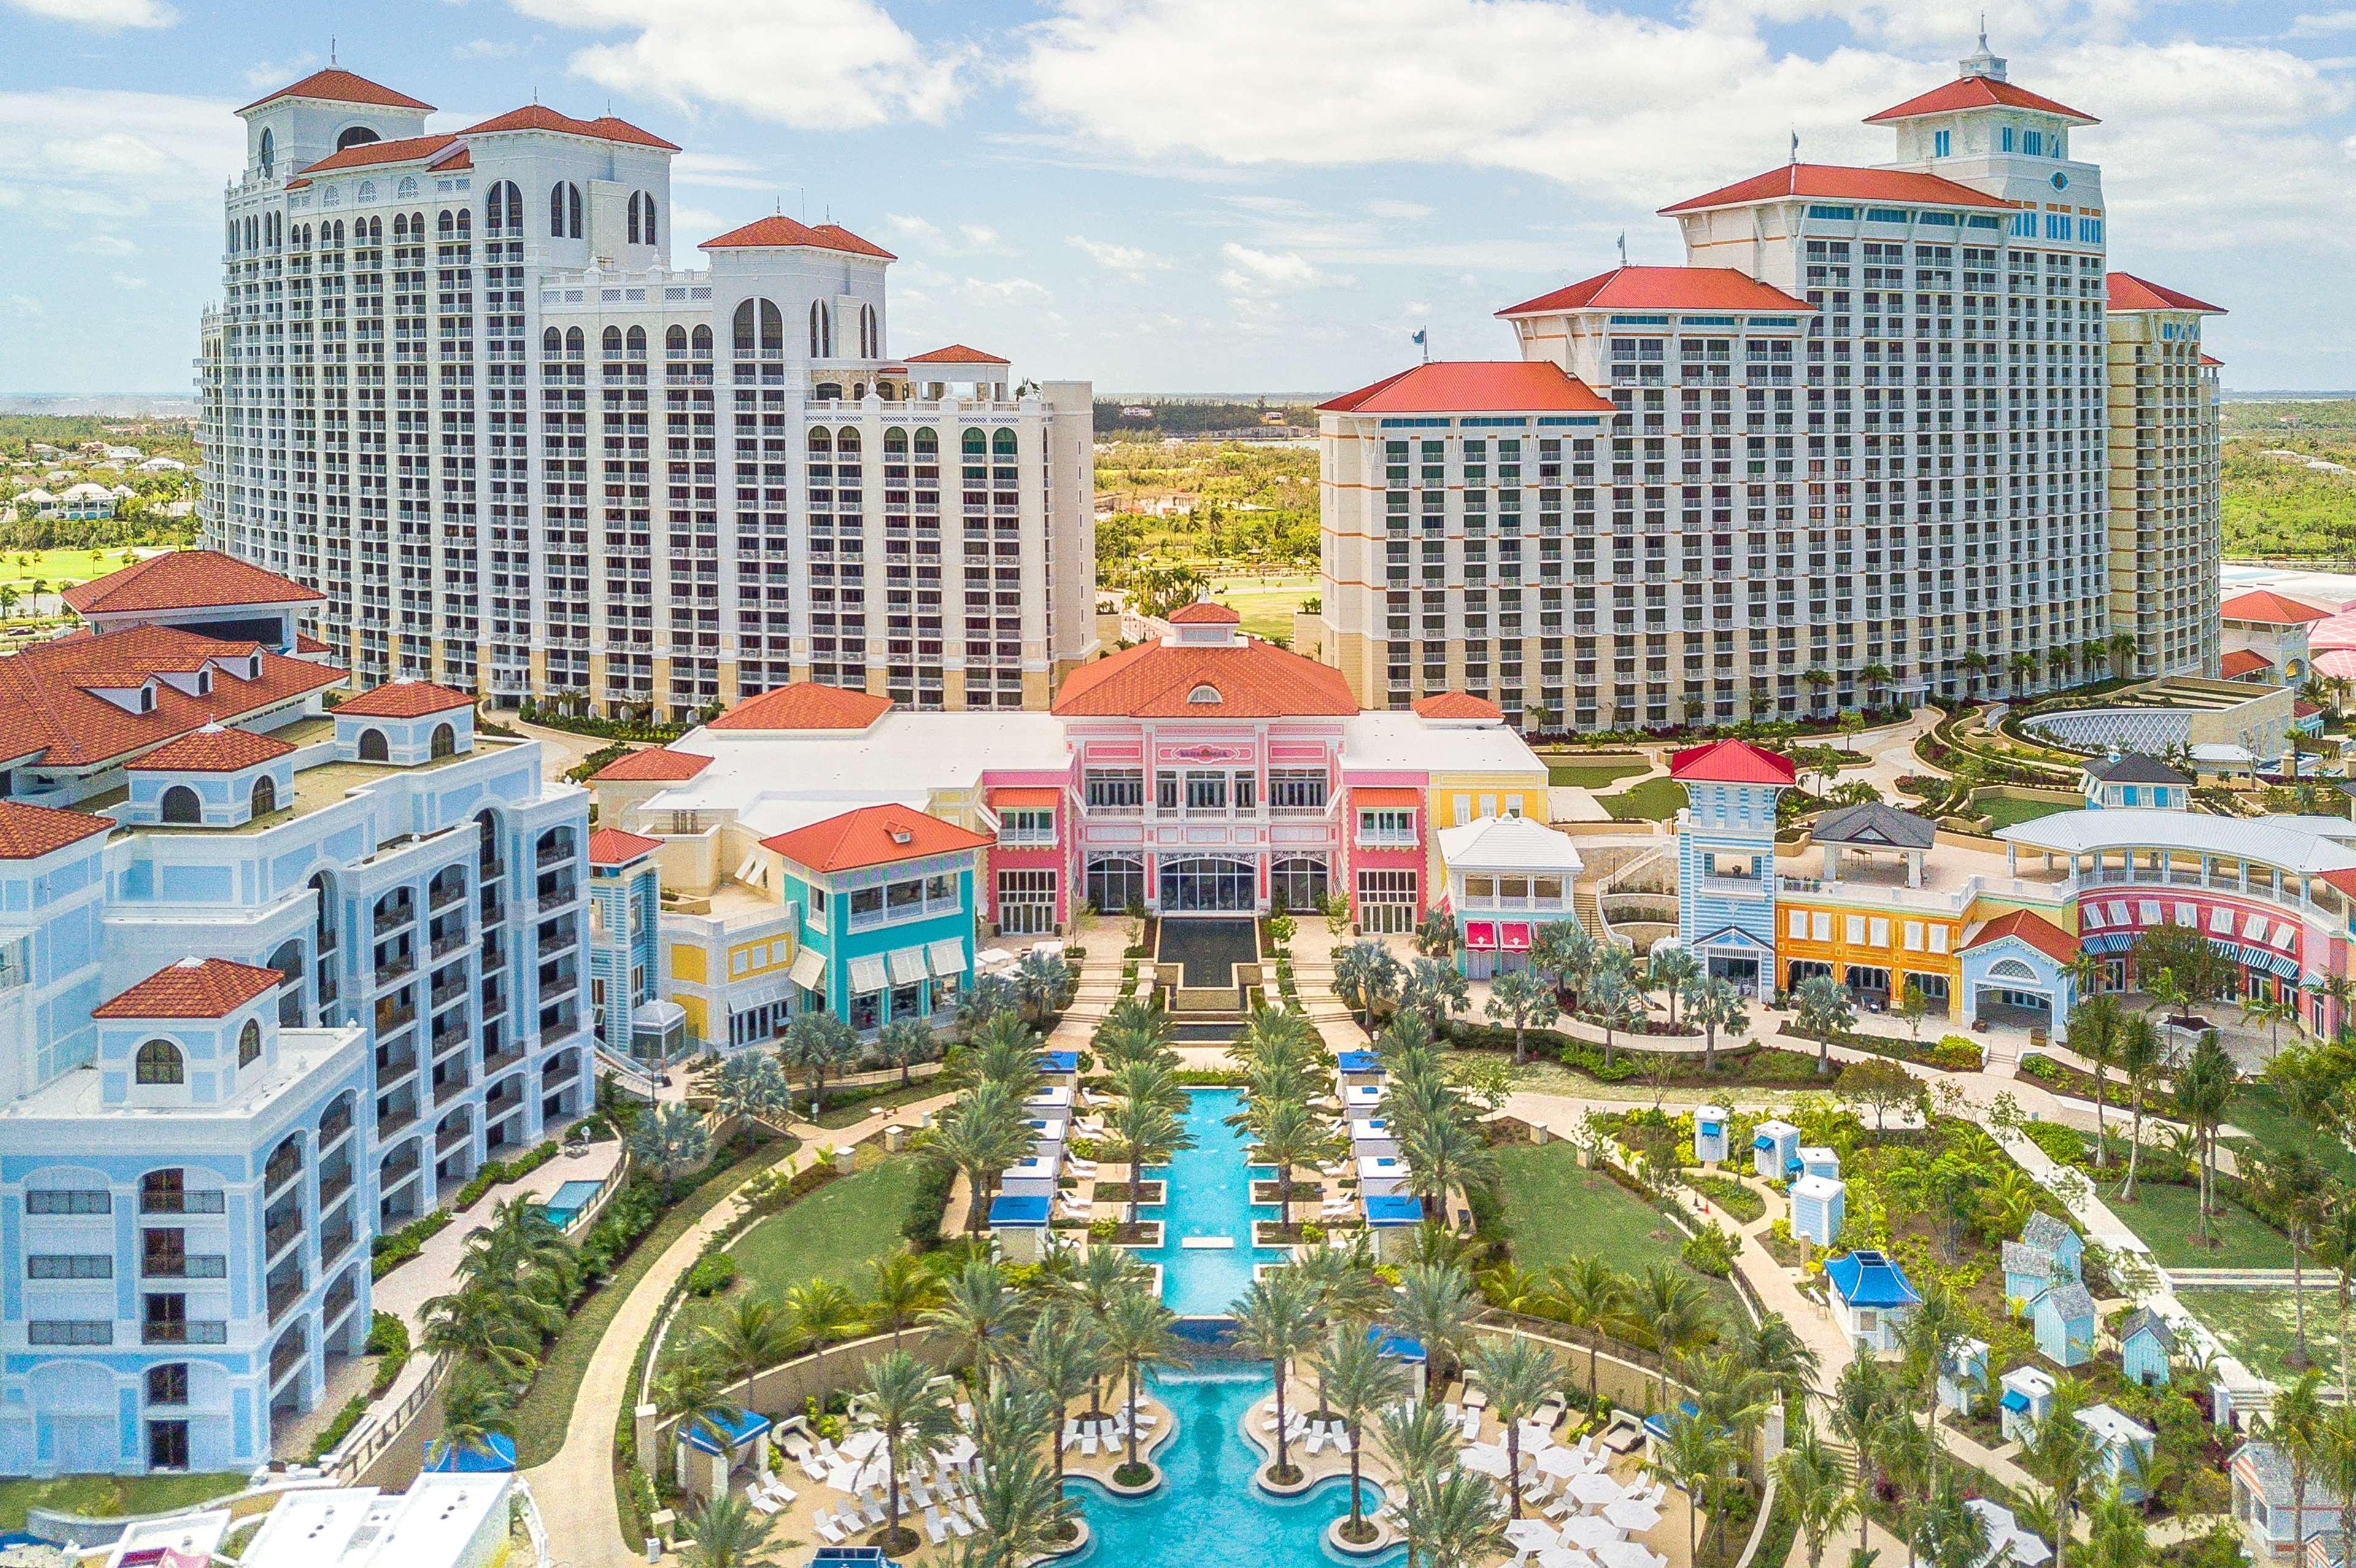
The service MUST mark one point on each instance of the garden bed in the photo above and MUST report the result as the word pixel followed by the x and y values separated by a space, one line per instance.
pixel 1151 1193
pixel 1267 1193
pixel 1742 1202
pixel 1953 1053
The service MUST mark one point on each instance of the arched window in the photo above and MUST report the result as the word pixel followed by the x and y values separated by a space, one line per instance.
pixel 373 746
pixel 288 961
pixel 896 445
pixel 159 1062
pixel 746 346
pixel 265 795
pixel 821 443
pixel 847 444
pixel 444 741
pixel 634 342
pixel 649 197
pixel 976 445
pixel 407 191
pixel 356 137
pixel 613 342
pixel 1002 446
pixel 269 152
pixel 772 331
pixel 1204 693
pixel 928 445
pixel 572 210
pixel 466 223
pixel 551 343
pixel 503 213
pixel 821 331
pixel 675 343
pixel 368 190
pixel 565 210
pixel 182 806
pixel 249 1044
pixel 702 341
pixel 445 225
pixel 576 344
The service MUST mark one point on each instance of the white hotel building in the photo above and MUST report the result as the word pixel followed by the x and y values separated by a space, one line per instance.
pixel 457 384
pixel 1857 448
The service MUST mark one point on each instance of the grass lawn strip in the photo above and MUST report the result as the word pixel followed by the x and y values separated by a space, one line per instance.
pixel 1653 800
pixel 2005 812
pixel 2257 1111
pixel 1555 1210
pixel 2163 1215
pixel 1592 775
pixel 111 1497
pixel 2259 1327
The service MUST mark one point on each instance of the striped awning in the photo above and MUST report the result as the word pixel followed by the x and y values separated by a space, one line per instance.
pixel 907 965
pixel 2107 942
pixel 2287 968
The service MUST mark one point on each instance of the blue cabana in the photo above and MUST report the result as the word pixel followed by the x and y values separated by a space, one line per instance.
pixel 741 1426
pixel 496 1455
pixel 1358 1061
pixel 1060 1061
pixel 1871 1299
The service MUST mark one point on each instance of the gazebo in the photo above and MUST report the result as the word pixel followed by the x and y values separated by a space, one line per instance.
pixel 711 1449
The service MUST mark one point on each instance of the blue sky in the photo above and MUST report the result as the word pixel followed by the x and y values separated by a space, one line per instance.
pixel 1188 195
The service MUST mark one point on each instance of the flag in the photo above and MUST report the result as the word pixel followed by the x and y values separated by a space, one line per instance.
pixel 1795 147
pixel 1419 335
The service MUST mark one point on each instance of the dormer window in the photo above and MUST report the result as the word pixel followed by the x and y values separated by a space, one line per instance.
pixel 205 682
pixel 146 699
pixel 1205 692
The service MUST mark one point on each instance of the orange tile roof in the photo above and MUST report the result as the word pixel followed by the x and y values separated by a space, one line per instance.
pixel 872 835
pixel 1838 182
pixel 1253 679
pixel 401 150
pixel 305 643
pixel 1457 706
pixel 1386 795
pixel 186 580
pixel 1664 288
pixel 655 765
pixel 1977 92
pixel 2032 927
pixel 805 705
pixel 778 232
pixel 28 832
pixel 2263 605
pixel 2124 292
pixel 47 706
pixel 1501 386
pixel 1036 796
pixel 213 750
pixel 1206 612
pixel 539 117
pixel 614 846
pixel 2243 661
pixel 955 354
pixel 334 85
pixel 2212 362
pixel 192 988
pixel 1731 762
pixel 404 699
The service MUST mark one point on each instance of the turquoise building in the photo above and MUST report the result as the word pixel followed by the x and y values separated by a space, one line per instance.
pixel 1726 859
pixel 886 896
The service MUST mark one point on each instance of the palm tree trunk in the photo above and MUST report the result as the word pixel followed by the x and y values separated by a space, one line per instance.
pixel 1710 1051
pixel 2298 1293
pixel 1513 1464
pixel 1061 1407
pixel 1133 1415
pixel 891 1487
pixel 2101 1139
pixel 2134 1145
pixel 1357 1511
pixel 1281 1464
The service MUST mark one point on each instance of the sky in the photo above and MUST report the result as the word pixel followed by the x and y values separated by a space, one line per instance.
pixel 1189 196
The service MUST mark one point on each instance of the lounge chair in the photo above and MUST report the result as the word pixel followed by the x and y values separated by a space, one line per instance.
pixel 958 1520
pixel 873 1510
pixel 1314 1441
pixel 1088 1444
pixel 780 1493
pixel 832 1533
pixel 934 1526
pixel 758 1501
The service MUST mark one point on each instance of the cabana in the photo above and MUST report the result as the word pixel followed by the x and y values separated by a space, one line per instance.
pixel 1774 1151
pixel 1711 1124
pixel 1871 1300
pixel 710 1450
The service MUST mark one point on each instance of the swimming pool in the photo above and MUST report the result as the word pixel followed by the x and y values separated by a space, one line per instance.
pixel 1206 1509
pixel 1209 1198
pixel 566 1204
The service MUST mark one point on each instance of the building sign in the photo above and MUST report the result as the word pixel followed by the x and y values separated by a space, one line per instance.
pixel 1205 753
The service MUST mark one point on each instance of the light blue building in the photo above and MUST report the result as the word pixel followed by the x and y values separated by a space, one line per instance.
pixel 2048 1253
pixel 2129 779
pixel 625 914
pixel 1712 1132
pixel 1819 1209
pixel 1775 1150
pixel 1726 859
pixel 1964 1376
pixel 2145 1345
pixel 1871 1300
pixel 2064 1321
pixel 2123 1453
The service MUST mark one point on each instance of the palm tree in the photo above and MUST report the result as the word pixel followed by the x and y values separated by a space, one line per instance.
pixel 1714 1004
pixel 1518 1376
pixel 1138 1335
pixel 819 1044
pixel 1788 1364
pixel 1434 989
pixel 1103 1275
pixel 1288 1134
pixel 1366 976
pixel 981 1134
pixel 1357 1380
pixel 1934 1331
pixel 2274 1012
pixel 1591 1295
pixel 1564 952
pixel 750 1084
pixel 1451 1522
pixel 1435 1310
pixel 1024 1511
pixel 2296 1426
pixel 2062 1452
pixel 691 1392
pixel 900 1289
pixel 2094 1034
pixel 2205 1088
pixel 909 1403
pixel 1440 1155
pixel 1824 1008
pixel 1810 1482
pixel 1276 1319
pixel 2141 1056
pixel 1673 969
pixel 668 1138
pixel 501 1326
pixel 474 1410
pixel 747 1337
pixel 822 1312
pixel 2336 1464
pixel 1417 1440
pixel 1693 1457
pixel 1521 1000
pixel 980 1312
pixel 2335 1245
pixel 2293 1185
pixel 1041 980
pixel 1671 1308
pixel 1148 1135
pixel 1862 1408
pixel 1611 988
pixel 2121 649
pixel 904 1042
pixel 522 1247
pixel 727 1534
pixel 1063 1356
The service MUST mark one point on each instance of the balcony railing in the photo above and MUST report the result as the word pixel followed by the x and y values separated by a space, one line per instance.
pixel 395 1121
pixel 283 1294
pixel 456 1137
pixel 185 1266
pixel 190 1331
pixel 182 1202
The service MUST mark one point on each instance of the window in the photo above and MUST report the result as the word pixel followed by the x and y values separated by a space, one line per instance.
pixel 52 1201
pixel 69 1266
pixel 1116 882
pixel 1247 791
pixel 1386 901
pixel 374 746
pixel 2004 139
pixel 1165 791
pixel 264 798
pixel 1296 789
pixel 1115 788
pixel 1299 881
pixel 68 1332
pixel 182 807
pixel 1026 903
pixel 1942 142
pixel 1207 791
pixel 159 1062
pixel 1027 824
pixel 268 157
pixel 249 1044
pixel 1387 826
pixel 169 1384
pixel 866 906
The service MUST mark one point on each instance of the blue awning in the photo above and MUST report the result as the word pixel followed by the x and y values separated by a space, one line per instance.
pixel 2014 1399
pixel 2107 942
pixel 1018 1210
pixel 741 1426
pixel 1709 1129
pixel 1060 1061
pixel 1358 1061
pixel 1386 1209
pixel 1762 1141
pixel 494 1455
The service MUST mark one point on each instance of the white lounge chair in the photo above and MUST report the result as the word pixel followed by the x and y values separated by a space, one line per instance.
pixel 759 1502
pixel 1314 1443
pixel 830 1532
pixel 1089 1445
pixel 934 1527
pixel 958 1521
pixel 780 1493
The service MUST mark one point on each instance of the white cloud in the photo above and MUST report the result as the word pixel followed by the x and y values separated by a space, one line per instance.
pixel 126 281
pixel 719 169
pixel 269 75
pixel 914 230
pixel 830 65
pixel 2323 24
pixel 96 152
pixel 104 245
pixel 107 13
pixel 1132 261
pixel 486 48
pixel 1266 272
pixel 1002 291
pixel 981 237
pixel 22 305
pixel 1400 210
pixel 965 239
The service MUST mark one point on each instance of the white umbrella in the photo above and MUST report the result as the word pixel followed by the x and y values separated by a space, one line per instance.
pixel 862 1443
pixel 1530 1534
pixel 1536 1437
pixel 1561 1461
pixel 1563 1557
pixel 1634 1514
pixel 1627 1554
pixel 1483 1460
pixel 1584 1529
pixel 1596 1489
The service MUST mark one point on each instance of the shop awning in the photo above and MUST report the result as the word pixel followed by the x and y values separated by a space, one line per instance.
pixel 947 958
pixel 1514 936
pixel 2014 1399
pixel 808 971
pixel 1387 796
pixel 1042 797
pixel 1480 935
pixel 907 966
pixel 867 973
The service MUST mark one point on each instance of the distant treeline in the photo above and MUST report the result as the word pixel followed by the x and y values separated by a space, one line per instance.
pixel 1176 418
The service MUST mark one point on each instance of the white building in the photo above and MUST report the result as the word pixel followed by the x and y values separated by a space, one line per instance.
pixel 457 385
pixel 2168 540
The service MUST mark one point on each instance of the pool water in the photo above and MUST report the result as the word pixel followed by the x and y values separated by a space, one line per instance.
pixel 567 1201
pixel 1209 1195
pixel 1206 1509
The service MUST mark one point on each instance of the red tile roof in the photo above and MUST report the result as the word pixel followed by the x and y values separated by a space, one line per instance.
pixel 1664 288
pixel 1457 706
pixel 2032 927
pixel 805 705
pixel 1977 92
pixel 655 765
pixel 1036 795
pixel 955 354
pixel 2266 606
pixel 539 117
pixel 1731 762
pixel 2212 363
pixel 2128 292
pixel 47 706
pixel 2303 709
pixel 401 150
pixel 192 988
pixel 28 832
pixel 213 750
pixel 1204 612
pixel 1837 182
pixel 872 835
pixel 780 232
pixel 1251 679
pixel 338 86
pixel 2243 661
pixel 614 846
pixel 305 643
pixel 1474 386
pixel 403 699
pixel 1392 795
pixel 186 580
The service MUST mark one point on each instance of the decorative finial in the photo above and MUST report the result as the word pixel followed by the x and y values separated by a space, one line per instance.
pixel 1624 247
pixel 1795 146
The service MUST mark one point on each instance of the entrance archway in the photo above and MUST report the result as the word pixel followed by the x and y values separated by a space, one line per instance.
pixel 1209 884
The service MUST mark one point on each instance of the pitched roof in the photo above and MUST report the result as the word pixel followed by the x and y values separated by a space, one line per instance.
pixel 1977 92
pixel 2020 1257
pixel 1247 678
pixel 1472 386
pixel 655 765
pixel 1456 705
pixel 872 835
pixel 613 846
pixel 213 750
pixel 305 643
pixel 186 580
pixel 1664 288
pixel 805 705
pixel 28 832
pixel 2125 291
pixel 777 232
pixel 2046 1233
pixel 2144 1320
pixel 2266 606
pixel 1838 182
pixel 403 699
pixel 335 85
pixel 48 705
pixel 2132 767
pixel 2243 661
pixel 539 117
pixel 955 354
pixel 1872 824
pixel 1869 1279
pixel 1733 762
pixel 1206 612
pixel 2070 1298
pixel 400 150
pixel 2033 928
pixel 192 988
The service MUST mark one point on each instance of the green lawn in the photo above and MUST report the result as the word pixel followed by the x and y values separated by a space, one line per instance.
pixel 108 1497
pixel 2164 1217
pixel 2260 1326
pixel 852 1112
pixel 1591 774
pixel 61 568
pixel 1267 606
pixel 1554 1210
pixel 2003 812
pixel 1655 800
pixel 2257 1111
